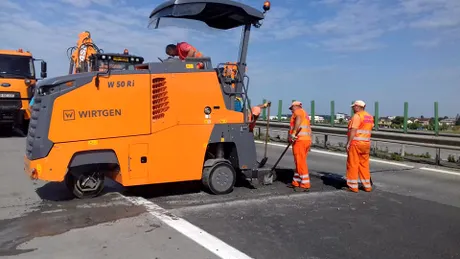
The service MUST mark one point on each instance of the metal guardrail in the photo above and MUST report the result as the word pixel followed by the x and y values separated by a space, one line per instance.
pixel 417 132
pixel 430 141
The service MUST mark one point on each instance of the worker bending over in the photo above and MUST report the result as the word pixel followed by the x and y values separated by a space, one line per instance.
pixel 255 113
pixel 183 50
pixel 300 137
pixel 358 147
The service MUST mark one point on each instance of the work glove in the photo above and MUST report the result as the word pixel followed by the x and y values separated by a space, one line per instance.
pixel 293 137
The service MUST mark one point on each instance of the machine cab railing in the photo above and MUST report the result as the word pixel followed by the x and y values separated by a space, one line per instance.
pixel 221 15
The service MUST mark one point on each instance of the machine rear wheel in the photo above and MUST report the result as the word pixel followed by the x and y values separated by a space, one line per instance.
pixel 85 185
pixel 219 178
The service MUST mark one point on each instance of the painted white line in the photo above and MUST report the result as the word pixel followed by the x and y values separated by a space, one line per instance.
pixel 440 171
pixel 208 241
pixel 338 154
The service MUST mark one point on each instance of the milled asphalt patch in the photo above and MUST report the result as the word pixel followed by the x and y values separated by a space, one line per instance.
pixel 335 225
pixel 243 191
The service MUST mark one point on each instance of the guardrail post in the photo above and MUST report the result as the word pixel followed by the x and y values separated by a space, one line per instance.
pixel 436 119
pixel 312 112
pixel 406 116
pixel 264 111
pixel 438 156
pixel 376 115
pixel 280 109
pixel 332 113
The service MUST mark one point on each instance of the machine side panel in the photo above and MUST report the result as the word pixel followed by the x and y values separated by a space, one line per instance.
pixel 243 139
pixel 38 145
pixel 119 107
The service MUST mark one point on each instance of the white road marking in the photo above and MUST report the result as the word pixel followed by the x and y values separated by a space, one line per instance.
pixel 208 241
pixel 338 154
pixel 440 171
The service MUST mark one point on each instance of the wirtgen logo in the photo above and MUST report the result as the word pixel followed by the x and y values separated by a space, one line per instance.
pixel 69 115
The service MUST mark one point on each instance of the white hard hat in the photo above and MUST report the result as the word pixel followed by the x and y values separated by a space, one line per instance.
pixel 359 103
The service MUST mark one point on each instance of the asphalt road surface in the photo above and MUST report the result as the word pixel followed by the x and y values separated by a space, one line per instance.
pixel 413 212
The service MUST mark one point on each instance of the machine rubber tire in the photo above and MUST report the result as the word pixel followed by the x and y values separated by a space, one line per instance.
pixel 74 187
pixel 219 178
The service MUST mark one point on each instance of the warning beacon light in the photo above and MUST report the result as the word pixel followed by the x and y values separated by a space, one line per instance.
pixel 266 6
pixel 126 52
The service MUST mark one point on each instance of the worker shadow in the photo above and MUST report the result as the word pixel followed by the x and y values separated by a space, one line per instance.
pixel 336 181
pixel 57 191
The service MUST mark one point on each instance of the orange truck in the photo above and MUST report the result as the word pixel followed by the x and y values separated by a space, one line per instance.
pixel 162 122
pixel 86 56
pixel 17 86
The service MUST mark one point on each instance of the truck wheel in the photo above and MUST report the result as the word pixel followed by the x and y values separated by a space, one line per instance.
pixel 85 185
pixel 219 178
pixel 7 130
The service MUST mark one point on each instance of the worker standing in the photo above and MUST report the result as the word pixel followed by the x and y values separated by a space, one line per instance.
pixel 300 137
pixel 358 147
pixel 255 113
pixel 183 50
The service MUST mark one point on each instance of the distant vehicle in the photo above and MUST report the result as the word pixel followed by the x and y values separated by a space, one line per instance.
pixel 17 86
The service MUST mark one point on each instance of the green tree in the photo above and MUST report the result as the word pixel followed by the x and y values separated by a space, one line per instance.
pixel 398 120
pixel 414 125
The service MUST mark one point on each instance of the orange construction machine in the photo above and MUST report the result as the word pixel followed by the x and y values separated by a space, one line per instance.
pixel 86 56
pixel 167 121
pixel 17 86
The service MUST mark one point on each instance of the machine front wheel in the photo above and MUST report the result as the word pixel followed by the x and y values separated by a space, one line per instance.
pixel 85 185
pixel 219 178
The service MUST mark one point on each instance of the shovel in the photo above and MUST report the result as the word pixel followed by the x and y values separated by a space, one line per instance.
pixel 264 160
pixel 268 178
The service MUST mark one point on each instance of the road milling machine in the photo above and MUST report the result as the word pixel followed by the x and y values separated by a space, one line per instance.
pixel 17 86
pixel 162 122
pixel 86 56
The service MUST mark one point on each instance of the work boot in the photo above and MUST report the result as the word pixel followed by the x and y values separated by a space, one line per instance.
pixel 348 189
pixel 291 186
pixel 300 189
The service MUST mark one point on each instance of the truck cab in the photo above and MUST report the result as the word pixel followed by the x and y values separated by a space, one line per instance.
pixel 17 86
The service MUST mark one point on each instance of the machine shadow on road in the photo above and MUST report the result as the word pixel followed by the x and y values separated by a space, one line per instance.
pixel 176 189
pixel 57 191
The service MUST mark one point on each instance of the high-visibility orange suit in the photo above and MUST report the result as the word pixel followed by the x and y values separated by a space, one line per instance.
pixel 359 150
pixel 301 145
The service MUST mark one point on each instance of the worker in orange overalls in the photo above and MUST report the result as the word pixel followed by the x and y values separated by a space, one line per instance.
pixel 358 148
pixel 300 137
pixel 183 50
pixel 255 113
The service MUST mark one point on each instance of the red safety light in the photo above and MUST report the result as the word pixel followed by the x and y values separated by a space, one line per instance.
pixel 200 65
pixel 126 52
pixel 20 50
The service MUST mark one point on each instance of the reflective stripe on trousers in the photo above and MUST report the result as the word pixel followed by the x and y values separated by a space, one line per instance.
pixel 302 179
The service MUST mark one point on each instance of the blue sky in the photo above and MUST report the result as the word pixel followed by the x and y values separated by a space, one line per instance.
pixel 389 51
